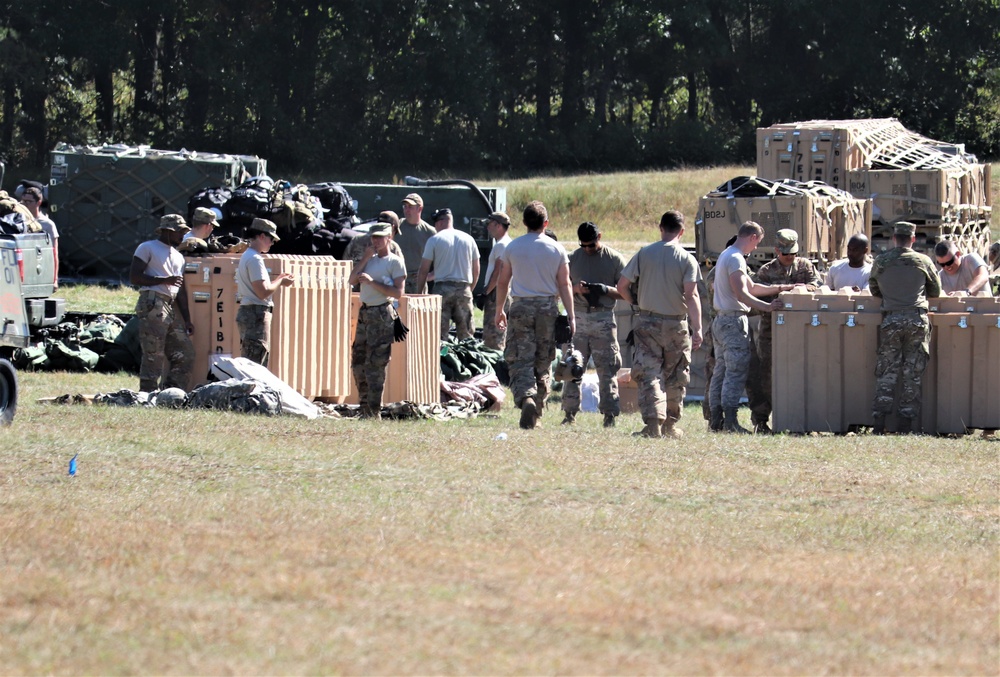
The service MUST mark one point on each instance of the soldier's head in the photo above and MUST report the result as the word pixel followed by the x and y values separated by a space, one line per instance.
pixel 749 236
pixel 497 224
pixel 904 234
pixel 413 205
pixel 380 233
pixel 172 229
pixel 948 256
pixel 857 250
pixel 535 217
pixel 392 218
pixel 31 198
pixel 786 246
pixel 203 222
pixel 262 235
pixel 671 225
pixel 443 219
pixel 590 238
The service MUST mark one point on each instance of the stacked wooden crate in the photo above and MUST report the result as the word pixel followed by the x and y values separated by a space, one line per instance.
pixel 935 185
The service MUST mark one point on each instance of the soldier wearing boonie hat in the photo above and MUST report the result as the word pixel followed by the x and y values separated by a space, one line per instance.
pixel 162 308
pixel 256 289
pixel 784 269
pixel 412 238
pixel 380 276
pixel 497 225
pixel 904 280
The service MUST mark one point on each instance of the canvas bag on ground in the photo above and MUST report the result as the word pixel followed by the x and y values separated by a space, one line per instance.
pixel 224 367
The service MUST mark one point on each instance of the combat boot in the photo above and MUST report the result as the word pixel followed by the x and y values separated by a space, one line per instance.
pixel 761 428
pixel 570 418
pixel 609 420
pixel 905 426
pixel 529 414
pixel 878 424
pixel 731 422
pixel 653 429
pixel 670 430
pixel 715 422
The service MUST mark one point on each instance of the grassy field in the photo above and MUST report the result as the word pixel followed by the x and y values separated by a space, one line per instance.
pixel 200 542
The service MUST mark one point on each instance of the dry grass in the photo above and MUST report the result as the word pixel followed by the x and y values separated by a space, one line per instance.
pixel 205 543
pixel 200 542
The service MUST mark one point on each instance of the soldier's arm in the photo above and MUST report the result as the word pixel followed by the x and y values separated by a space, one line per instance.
pixel 623 290
pixel 694 313
pixel 747 292
pixel 932 288
pixel 425 269
pixel 491 283
pixel 503 289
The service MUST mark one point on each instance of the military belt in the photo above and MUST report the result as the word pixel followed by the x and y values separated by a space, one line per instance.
pixel 730 313
pixel 678 318
pixel 374 305
pixel 919 311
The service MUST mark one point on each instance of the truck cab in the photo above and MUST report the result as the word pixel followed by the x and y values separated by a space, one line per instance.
pixel 27 282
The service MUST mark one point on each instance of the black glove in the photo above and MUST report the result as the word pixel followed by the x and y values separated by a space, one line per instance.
pixel 399 330
pixel 480 300
pixel 563 333
pixel 595 290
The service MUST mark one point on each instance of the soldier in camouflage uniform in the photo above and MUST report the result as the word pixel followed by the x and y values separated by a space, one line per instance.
pixel 904 280
pixel 535 274
pixel 668 326
pixel 785 268
pixel 595 270
pixel 497 225
pixel 256 290
pixel 454 257
pixel 734 297
pixel 381 277
pixel 164 321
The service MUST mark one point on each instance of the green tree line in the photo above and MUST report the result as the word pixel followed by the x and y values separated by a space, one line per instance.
pixel 516 86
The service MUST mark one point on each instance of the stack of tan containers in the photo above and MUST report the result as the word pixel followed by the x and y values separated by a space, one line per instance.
pixel 824 218
pixel 312 326
pixel 824 367
pixel 908 177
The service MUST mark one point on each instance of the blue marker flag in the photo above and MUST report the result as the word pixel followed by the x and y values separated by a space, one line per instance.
pixel 72 465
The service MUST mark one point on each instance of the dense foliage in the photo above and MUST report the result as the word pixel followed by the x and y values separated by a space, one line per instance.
pixel 511 86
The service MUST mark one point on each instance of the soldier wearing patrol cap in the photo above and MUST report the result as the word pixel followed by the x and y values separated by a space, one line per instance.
pixel 413 235
pixel 904 280
pixel 203 222
pixel 497 224
pixel 164 321
pixel 784 269
pixel 256 290
pixel 381 276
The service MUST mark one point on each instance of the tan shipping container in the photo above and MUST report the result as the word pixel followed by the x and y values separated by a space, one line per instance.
pixel 825 381
pixel 414 371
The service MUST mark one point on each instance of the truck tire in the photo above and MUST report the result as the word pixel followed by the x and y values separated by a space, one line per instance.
pixel 8 392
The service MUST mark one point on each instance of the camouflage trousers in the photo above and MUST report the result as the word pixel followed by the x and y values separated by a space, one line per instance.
pixel 662 365
pixel 903 350
pixel 370 353
pixel 165 343
pixel 731 338
pixel 759 376
pixel 254 322
pixel 706 410
pixel 493 337
pixel 456 305
pixel 531 347
pixel 596 338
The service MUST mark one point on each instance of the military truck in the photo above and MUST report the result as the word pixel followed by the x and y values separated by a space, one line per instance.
pixel 27 282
